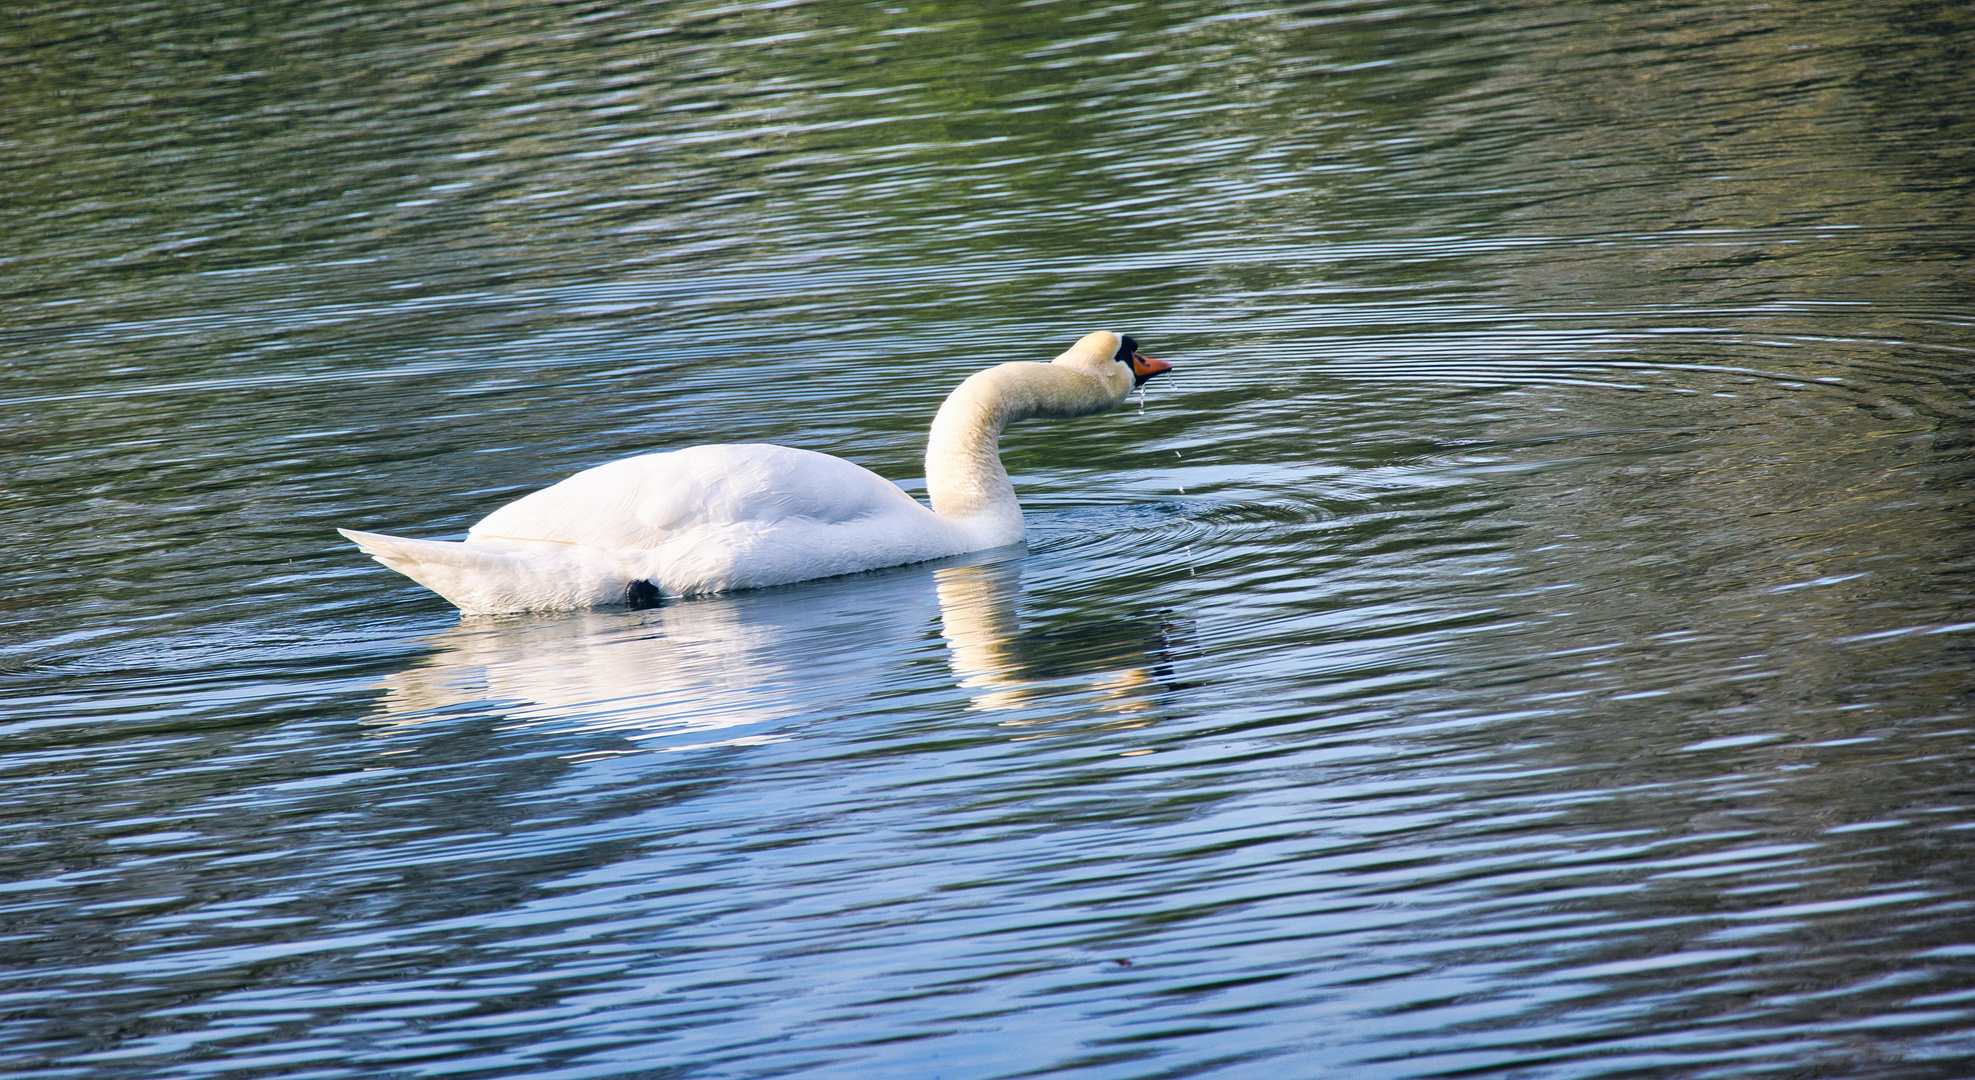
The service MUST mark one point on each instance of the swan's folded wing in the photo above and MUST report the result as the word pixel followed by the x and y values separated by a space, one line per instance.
pixel 643 502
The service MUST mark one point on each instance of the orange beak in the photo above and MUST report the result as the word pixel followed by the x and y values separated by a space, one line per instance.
pixel 1144 367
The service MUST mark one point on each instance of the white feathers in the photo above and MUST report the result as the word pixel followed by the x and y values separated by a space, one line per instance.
pixel 713 518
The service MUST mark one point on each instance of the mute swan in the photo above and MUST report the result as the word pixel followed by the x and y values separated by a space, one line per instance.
pixel 736 516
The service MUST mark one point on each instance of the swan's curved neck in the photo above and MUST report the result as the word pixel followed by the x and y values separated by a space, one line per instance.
pixel 964 475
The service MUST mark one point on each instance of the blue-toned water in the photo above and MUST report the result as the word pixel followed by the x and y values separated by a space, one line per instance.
pixel 1531 634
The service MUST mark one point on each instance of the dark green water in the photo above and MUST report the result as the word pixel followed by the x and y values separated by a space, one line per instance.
pixel 1532 634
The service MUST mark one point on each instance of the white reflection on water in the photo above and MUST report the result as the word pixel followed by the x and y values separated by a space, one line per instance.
pixel 747 669
pixel 997 663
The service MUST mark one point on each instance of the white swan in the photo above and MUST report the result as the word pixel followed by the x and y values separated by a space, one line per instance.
pixel 736 516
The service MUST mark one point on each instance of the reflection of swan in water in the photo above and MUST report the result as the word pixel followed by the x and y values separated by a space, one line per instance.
pixel 1008 669
pixel 746 668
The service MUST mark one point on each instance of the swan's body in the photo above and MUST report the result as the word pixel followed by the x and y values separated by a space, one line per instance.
pixel 713 518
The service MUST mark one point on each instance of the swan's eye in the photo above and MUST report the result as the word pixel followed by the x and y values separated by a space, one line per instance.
pixel 1126 348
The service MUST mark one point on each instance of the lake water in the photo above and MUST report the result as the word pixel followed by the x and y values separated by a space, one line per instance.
pixel 1531 634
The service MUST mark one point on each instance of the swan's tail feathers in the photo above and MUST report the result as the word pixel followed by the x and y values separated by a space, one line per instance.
pixel 389 549
pixel 489 578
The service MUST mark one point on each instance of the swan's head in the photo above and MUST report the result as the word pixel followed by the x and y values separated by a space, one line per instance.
pixel 1114 357
pixel 1143 367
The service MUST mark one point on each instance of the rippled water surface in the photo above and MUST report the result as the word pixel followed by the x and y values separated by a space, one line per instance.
pixel 1532 634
